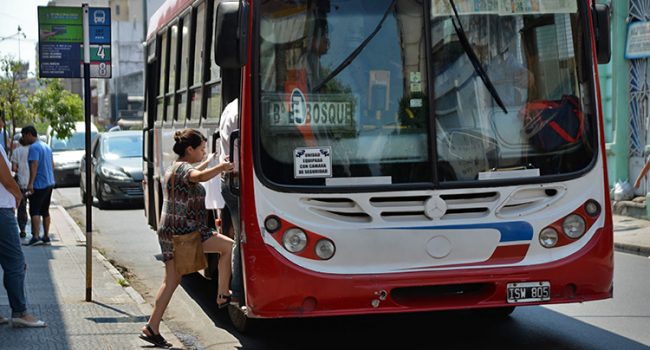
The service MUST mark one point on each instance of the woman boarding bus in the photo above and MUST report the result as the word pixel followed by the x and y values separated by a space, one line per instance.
pixel 396 155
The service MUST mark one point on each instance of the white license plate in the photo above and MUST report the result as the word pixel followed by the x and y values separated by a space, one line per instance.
pixel 528 292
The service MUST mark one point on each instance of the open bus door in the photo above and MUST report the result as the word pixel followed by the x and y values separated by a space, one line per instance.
pixel 148 184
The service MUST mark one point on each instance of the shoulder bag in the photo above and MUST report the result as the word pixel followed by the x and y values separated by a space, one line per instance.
pixel 188 248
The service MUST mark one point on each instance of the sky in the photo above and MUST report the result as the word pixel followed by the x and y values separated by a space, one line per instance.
pixel 14 13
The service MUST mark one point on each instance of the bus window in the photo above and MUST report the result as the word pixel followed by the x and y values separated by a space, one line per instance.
pixel 214 101
pixel 163 64
pixel 198 44
pixel 534 64
pixel 185 52
pixel 370 113
pixel 181 105
pixel 214 88
pixel 173 57
pixel 160 109
pixel 199 53
pixel 215 72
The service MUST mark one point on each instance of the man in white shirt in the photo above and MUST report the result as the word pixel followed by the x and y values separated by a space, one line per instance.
pixel 228 123
pixel 21 168
pixel 12 259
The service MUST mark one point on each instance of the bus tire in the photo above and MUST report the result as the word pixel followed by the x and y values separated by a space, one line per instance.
pixel 242 323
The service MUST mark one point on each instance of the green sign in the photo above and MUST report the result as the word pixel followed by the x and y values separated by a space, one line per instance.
pixel 60 15
pixel 61 33
pixel 98 53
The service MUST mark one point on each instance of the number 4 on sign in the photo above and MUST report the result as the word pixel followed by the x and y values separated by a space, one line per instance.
pixel 100 52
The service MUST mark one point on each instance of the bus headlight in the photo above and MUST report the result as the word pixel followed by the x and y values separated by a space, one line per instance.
pixel 592 208
pixel 573 226
pixel 294 240
pixel 325 249
pixel 548 237
pixel 272 224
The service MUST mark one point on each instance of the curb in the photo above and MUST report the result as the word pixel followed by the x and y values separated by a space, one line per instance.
pixel 632 249
pixel 81 238
pixel 79 235
pixel 142 305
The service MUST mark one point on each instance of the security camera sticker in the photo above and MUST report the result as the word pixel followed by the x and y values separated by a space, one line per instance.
pixel 312 162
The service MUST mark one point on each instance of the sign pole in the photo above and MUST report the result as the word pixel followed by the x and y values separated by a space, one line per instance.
pixel 89 198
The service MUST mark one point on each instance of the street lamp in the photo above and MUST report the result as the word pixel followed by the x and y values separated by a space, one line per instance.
pixel 17 36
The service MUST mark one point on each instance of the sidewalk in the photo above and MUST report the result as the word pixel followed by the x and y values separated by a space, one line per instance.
pixel 632 235
pixel 56 288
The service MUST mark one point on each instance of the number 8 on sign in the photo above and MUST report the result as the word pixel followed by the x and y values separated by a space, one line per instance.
pixel 102 69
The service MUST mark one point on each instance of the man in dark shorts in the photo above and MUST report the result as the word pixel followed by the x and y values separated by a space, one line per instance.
pixel 41 182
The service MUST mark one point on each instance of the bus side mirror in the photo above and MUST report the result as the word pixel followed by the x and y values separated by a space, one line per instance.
pixel 601 15
pixel 231 34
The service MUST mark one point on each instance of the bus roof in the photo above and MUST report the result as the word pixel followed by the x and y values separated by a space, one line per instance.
pixel 167 11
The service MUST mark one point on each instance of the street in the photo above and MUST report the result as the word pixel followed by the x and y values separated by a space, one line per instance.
pixel 122 235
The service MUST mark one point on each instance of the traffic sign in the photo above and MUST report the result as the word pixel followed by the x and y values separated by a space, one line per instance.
pixel 61 42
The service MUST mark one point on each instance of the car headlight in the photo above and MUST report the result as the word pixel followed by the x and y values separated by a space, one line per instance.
pixel 294 240
pixel 113 173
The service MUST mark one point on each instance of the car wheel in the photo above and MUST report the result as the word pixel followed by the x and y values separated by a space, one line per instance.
pixel 101 203
pixel 82 192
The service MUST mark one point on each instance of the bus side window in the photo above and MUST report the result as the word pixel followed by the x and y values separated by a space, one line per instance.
pixel 196 100
pixel 213 88
pixel 181 94
pixel 172 73
pixel 162 74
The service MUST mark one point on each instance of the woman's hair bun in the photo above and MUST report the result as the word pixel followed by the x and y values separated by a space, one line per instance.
pixel 187 138
pixel 178 135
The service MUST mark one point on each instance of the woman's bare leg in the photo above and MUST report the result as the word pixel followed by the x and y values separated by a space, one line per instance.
pixel 222 245
pixel 171 280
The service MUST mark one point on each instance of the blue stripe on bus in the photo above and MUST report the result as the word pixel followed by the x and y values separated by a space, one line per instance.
pixel 510 231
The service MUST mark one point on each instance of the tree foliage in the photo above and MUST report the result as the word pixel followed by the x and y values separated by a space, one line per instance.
pixel 12 96
pixel 58 107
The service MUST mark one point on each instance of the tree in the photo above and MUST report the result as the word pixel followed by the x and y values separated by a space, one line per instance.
pixel 57 107
pixel 12 96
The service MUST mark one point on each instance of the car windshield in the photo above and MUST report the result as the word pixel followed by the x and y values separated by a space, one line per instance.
pixel 123 146
pixel 75 142
pixel 346 99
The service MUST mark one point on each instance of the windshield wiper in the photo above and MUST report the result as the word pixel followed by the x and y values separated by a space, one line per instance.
pixel 478 68
pixel 354 53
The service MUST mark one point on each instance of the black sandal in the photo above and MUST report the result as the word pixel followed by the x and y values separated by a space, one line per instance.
pixel 226 297
pixel 155 339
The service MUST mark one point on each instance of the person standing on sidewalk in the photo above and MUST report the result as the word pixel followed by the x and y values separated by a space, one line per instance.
pixel 21 168
pixel 12 259
pixel 41 183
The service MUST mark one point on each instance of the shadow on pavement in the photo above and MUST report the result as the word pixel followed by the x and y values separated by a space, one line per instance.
pixel 531 327
pixel 42 301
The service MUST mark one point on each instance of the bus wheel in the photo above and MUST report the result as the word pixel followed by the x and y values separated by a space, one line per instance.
pixel 497 312
pixel 239 319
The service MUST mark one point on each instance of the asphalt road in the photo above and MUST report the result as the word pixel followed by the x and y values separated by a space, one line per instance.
pixel 620 323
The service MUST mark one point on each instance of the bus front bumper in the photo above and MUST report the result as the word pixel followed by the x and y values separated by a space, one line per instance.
pixel 277 288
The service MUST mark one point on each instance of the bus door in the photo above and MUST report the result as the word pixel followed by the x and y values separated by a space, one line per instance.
pixel 148 151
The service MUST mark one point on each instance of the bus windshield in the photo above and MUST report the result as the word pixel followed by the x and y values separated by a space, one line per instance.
pixel 357 83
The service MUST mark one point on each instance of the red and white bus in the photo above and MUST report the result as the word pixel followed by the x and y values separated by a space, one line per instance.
pixel 396 155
